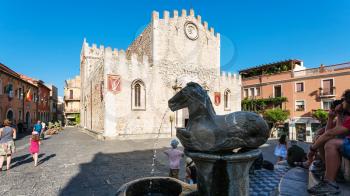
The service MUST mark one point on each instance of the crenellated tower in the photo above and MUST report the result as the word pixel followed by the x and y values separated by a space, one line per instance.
pixel 173 49
pixel 185 39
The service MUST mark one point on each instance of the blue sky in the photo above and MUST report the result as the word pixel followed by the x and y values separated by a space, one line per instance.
pixel 42 39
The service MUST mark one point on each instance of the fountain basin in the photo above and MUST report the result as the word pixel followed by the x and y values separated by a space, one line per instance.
pixel 161 186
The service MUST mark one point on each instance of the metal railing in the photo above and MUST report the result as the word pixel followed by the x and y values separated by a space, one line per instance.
pixel 319 70
pixel 327 92
pixel 72 111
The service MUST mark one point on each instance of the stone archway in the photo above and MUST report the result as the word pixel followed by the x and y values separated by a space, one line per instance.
pixel 27 121
pixel 10 115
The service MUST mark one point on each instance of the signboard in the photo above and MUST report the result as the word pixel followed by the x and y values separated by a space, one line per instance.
pixel 217 98
pixel 114 83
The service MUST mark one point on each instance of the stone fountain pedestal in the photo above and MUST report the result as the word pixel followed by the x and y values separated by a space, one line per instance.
pixel 223 175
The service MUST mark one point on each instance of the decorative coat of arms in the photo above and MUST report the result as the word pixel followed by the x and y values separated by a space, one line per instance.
pixel 114 83
pixel 217 98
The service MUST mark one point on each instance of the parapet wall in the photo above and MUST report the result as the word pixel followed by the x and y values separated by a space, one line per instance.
pixel 172 41
pixel 175 16
pixel 230 77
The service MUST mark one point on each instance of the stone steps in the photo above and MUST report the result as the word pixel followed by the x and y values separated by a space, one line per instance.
pixel 294 183
pixel 298 180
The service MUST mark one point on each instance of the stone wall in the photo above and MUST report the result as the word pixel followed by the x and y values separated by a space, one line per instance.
pixel 129 122
pixel 97 100
pixel 142 45
pixel 92 84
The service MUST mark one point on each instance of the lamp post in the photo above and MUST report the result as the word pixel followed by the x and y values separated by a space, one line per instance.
pixel 171 119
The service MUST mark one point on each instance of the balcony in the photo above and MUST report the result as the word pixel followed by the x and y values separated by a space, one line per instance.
pixel 66 98
pixel 71 111
pixel 327 93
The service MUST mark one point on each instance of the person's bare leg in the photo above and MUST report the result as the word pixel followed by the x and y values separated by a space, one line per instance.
pixel 322 153
pixel 1 161
pixel 35 156
pixel 8 161
pixel 333 158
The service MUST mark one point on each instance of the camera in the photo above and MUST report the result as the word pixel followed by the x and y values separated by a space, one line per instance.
pixel 335 103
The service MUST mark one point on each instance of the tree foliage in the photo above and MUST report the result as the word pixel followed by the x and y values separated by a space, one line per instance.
pixel 260 104
pixel 276 116
pixel 321 115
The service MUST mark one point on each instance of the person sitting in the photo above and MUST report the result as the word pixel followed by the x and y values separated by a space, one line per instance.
pixel 191 171
pixel 306 164
pixel 295 154
pixel 334 147
pixel 281 149
pixel 320 155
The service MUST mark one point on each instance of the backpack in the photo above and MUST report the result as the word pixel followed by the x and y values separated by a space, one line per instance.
pixel 268 165
pixel 295 154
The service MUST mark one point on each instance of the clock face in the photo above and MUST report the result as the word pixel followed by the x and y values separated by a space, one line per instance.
pixel 191 30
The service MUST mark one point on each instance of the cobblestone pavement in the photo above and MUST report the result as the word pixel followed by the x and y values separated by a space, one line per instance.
pixel 73 163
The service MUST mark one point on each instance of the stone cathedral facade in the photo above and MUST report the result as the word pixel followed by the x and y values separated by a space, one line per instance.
pixel 125 93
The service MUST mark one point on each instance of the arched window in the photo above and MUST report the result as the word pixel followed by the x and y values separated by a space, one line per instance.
pixel 138 95
pixel 227 97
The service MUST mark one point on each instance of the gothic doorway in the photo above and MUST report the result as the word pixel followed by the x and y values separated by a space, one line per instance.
pixel 27 121
pixel 9 115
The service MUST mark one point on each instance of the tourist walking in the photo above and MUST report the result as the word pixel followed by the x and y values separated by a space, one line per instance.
pixel 281 149
pixel 34 146
pixel 174 156
pixel 43 129
pixel 7 145
pixel 38 127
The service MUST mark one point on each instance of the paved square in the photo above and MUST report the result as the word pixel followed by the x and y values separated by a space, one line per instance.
pixel 73 163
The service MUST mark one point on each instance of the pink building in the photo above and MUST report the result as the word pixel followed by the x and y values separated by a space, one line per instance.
pixel 295 88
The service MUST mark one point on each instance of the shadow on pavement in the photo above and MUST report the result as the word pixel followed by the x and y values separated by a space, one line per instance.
pixel 27 158
pixel 46 159
pixel 107 172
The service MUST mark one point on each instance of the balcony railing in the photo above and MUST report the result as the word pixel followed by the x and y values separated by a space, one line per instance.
pixel 67 98
pixel 319 70
pixel 324 93
pixel 68 111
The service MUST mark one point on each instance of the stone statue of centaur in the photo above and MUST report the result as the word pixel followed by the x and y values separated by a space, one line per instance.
pixel 208 132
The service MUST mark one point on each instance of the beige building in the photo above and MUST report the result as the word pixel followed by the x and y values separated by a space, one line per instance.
pixel 125 93
pixel 305 91
pixel 53 103
pixel 72 97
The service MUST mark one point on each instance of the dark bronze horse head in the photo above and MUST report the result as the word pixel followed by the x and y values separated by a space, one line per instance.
pixel 192 95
